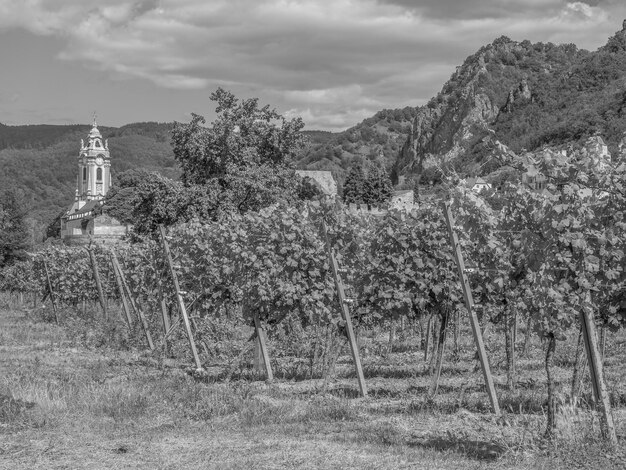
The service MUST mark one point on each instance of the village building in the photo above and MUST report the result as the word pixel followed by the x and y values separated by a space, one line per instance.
pixel 534 179
pixel 84 221
pixel 477 184
pixel 403 200
pixel 322 179
pixel 599 161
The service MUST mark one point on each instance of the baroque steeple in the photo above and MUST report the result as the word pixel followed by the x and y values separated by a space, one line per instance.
pixel 94 167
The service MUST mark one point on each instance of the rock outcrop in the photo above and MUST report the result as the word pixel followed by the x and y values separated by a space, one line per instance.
pixel 520 94
pixel 456 115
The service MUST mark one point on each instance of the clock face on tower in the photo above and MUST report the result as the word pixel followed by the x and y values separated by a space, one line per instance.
pixel 99 160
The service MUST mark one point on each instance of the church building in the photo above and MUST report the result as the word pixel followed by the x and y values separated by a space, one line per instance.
pixel 83 220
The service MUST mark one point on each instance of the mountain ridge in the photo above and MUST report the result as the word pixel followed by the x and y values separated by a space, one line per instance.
pixel 525 96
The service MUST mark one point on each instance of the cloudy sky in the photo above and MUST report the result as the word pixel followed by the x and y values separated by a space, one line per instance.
pixel 332 62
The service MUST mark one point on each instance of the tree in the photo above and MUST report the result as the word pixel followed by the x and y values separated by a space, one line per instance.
pixel 309 189
pixel 243 135
pixel 379 185
pixel 247 152
pixel 147 200
pixel 53 229
pixel 354 186
pixel 367 185
pixel 14 236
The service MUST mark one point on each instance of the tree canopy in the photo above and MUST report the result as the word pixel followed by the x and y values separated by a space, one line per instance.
pixel 243 136
pixel 242 162
pixel 14 236
pixel 367 184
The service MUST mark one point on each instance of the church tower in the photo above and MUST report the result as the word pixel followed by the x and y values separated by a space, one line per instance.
pixel 94 168
pixel 85 221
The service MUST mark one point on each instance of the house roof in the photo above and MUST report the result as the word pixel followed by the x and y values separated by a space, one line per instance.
pixel 531 170
pixel 84 211
pixel 323 178
pixel 471 182
pixel 88 207
pixel 402 192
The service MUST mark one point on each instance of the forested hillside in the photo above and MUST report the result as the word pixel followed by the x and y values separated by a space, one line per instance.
pixel 379 137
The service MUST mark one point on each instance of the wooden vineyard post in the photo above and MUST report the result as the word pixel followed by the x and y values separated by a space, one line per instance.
pixel 96 276
pixel 260 334
pixel 345 312
pixel 162 303
pixel 54 302
pixel 179 298
pixel 469 304
pixel 428 335
pixel 600 392
pixel 137 310
pixel 258 363
pixel 443 329
pixel 120 288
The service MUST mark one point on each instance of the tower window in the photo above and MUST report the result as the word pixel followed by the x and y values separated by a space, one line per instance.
pixel 84 173
pixel 99 174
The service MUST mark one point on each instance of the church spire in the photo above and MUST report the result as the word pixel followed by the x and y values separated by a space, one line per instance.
pixel 94 162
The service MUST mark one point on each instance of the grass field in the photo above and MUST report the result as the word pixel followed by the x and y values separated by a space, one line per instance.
pixel 63 405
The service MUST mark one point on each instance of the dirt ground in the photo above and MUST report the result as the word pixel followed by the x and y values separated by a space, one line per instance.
pixel 63 406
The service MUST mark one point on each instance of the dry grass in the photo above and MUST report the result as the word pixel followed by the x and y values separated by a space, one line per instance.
pixel 65 406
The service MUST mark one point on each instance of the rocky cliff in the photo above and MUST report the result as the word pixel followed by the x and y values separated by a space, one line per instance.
pixel 517 96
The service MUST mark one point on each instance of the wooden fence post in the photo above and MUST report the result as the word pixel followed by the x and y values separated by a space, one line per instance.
pixel 162 303
pixel 179 298
pixel 443 330
pixel 345 312
pixel 96 275
pixel 260 337
pixel 137 310
pixel 469 304
pixel 54 302
pixel 428 335
pixel 600 391
pixel 120 288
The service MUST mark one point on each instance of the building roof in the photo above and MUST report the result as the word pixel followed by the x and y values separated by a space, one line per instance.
pixel 88 207
pixel 471 182
pixel 324 179
pixel 85 211
pixel 402 192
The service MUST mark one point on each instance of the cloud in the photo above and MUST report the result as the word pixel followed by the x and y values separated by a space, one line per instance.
pixel 335 62
pixel 479 9
pixel 9 97
pixel 331 108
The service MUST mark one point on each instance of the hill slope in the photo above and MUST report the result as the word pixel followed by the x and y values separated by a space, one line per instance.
pixel 380 137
